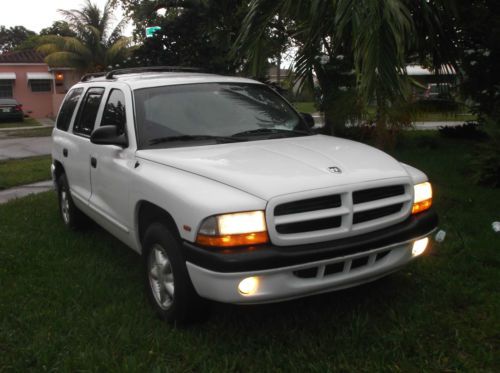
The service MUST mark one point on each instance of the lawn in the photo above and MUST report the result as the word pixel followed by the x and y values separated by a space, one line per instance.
pixel 15 172
pixel 420 116
pixel 74 301
pixel 305 107
pixel 28 122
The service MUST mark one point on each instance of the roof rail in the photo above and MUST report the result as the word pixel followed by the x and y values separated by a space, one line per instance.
pixel 134 70
pixel 89 76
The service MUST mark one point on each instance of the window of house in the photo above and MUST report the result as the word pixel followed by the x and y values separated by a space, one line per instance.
pixel 84 123
pixel 5 89
pixel 67 109
pixel 114 111
pixel 41 85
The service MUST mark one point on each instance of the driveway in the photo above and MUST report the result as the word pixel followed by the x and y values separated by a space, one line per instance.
pixel 25 147
pixel 319 121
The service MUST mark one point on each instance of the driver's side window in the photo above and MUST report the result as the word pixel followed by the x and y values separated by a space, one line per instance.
pixel 114 112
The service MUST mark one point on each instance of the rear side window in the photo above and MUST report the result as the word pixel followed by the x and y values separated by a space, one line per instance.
pixel 84 124
pixel 114 111
pixel 67 108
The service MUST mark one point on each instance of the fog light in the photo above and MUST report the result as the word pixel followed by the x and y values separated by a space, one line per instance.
pixel 248 286
pixel 419 246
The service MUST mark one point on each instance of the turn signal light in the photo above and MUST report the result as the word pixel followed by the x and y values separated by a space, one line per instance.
pixel 421 206
pixel 231 240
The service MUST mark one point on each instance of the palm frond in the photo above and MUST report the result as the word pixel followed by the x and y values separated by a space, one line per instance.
pixel 118 51
pixel 64 59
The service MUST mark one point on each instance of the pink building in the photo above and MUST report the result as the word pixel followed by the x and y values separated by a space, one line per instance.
pixel 26 77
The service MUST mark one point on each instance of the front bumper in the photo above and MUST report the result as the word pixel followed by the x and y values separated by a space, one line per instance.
pixel 287 272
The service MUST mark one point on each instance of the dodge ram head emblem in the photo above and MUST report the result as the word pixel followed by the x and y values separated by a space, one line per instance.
pixel 335 170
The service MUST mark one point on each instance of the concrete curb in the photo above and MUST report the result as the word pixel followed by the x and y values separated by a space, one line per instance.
pixel 25 190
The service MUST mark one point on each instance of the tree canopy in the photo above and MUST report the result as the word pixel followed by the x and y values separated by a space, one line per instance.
pixel 95 46
pixel 11 38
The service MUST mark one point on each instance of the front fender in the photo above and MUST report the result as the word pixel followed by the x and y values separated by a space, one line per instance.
pixel 187 197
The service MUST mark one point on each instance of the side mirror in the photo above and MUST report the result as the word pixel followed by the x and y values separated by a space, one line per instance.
pixel 308 118
pixel 108 135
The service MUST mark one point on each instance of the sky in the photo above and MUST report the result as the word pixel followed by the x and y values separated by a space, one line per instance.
pixel 38 14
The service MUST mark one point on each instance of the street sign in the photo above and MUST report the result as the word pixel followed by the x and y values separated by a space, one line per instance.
pixel 150 31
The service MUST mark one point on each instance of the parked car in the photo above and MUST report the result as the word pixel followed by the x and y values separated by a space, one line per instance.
pixel 226 192
pixel 10 110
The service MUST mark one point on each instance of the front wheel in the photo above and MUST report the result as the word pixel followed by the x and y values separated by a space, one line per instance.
pixel 167 280
pixel 71 216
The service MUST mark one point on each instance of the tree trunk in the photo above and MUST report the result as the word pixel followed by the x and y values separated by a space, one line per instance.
pixel 278 72
pixel 381 133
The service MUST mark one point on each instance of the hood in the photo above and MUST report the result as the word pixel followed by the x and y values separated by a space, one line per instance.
pixel 268 168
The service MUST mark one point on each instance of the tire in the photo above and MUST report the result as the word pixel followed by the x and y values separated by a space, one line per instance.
pixel 71 216
pixel 167 281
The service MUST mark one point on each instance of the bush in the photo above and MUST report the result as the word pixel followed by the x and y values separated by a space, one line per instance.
pixel 469 131
pixel 486 164
pixel 437 105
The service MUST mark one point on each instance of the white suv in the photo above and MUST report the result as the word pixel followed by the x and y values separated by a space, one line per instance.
pixel 226 192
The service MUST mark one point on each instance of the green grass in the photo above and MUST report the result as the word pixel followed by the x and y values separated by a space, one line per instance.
pixel 14 172
pixel 305 107
pixel 28 122
pixel 420 116
pixel 35 132
pixel 73 301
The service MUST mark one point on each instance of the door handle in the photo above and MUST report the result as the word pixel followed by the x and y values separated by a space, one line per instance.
pixel 65 152
pixel 93 162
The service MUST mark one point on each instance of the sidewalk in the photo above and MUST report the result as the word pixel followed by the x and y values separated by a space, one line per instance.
pixel 24 190
pixel 22 147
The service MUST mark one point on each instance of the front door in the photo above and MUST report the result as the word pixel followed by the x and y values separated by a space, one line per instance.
pixel 111 170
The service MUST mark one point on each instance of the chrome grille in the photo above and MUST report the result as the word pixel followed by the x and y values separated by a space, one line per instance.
pixel 328 214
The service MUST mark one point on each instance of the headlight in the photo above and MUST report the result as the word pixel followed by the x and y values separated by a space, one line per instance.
pixel 242 228
pixel 422 199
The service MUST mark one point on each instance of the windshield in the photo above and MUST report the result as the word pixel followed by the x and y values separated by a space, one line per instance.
pixel 208 113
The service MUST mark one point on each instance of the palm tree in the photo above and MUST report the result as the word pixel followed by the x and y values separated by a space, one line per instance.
pixel 95 46
pixel 377 38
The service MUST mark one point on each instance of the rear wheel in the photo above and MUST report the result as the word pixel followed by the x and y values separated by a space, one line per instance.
pixel 71 216
pixel 168 285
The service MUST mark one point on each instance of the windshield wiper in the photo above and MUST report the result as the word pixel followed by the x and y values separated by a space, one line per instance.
pixel 191 138
pixel 264 131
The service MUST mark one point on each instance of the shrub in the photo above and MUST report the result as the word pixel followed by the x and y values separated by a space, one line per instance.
pixel 469 130
pixel 486 164
pixel 446 105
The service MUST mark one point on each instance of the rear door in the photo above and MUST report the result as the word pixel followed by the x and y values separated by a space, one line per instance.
pixel 61 138
pixel 78 150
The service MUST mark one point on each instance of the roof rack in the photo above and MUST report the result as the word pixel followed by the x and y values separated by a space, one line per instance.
pixel 89 76
pixel 134 70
